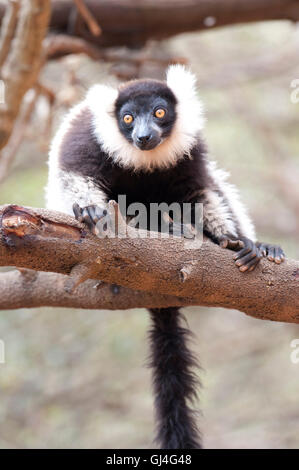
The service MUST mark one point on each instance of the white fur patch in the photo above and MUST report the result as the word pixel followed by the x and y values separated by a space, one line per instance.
pixel 236 207
pixel 69 188
pixel 65 188
pixel 217 216
pixel 190 114
pixel 101 99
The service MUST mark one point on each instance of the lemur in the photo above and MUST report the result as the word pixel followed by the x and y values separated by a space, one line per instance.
pixel 143 140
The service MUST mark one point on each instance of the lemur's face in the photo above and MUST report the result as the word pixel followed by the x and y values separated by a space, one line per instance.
pixel 146 116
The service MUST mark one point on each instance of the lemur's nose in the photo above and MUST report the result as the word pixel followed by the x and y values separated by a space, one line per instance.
pixel 143 139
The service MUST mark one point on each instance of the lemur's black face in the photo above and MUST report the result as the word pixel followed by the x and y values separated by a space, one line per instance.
pixel 145 113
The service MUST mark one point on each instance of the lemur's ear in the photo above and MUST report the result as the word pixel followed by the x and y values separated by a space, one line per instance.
pixel 102 96
pixel 183 84
pixel 181 81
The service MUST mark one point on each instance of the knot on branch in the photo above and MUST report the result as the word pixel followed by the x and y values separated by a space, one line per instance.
pixel 185 272
pixel 18 221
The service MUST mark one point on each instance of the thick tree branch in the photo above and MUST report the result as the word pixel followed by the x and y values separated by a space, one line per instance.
pixel 128 23
pixel 50 241
pixel 28 289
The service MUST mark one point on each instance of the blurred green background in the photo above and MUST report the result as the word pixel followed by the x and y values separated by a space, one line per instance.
pixel 77 378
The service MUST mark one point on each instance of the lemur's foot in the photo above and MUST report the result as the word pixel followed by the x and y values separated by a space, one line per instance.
pixel 272 252
pixel 248 253
pixel 89 215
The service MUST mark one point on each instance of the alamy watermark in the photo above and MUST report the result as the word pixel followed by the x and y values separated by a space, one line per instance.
pixel 295 92
pixel 294 356
pixel 2 352
pixel 2 92
pixel 153 220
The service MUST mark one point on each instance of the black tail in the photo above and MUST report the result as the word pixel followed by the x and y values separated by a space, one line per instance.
pixel 174 381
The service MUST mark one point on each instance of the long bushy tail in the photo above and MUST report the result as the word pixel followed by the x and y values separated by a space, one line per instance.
pixel 174 381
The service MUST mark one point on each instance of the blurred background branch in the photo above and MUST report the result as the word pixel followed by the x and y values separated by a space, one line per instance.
pixel 8 27
pixel 22 65
pixel 132 24
pixel 88 17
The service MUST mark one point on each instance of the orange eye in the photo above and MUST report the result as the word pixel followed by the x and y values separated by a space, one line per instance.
pixel 160 113
pixel 128 118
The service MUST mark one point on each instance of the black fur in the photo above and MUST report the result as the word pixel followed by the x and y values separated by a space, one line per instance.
pixel 140 99
pixel 188 181
pixel 174 381
pixel 148 88
pixel 82 154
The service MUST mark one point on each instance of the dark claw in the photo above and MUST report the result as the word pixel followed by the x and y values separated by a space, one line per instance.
pixel 251 265
pixel 271 255
pixel 263 251
pixel 77 211
pixel 245 259
pixel 248 254
pixel 245 251
pixel 249 257
pixel 89 215
pixel 272 252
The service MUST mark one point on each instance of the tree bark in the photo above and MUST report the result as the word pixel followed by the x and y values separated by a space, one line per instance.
pixel 27 289
pixel 162 270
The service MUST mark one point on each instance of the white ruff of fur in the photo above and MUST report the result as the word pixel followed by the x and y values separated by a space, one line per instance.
pixel 232 195
pixel 101 99
pixel 59 195
pixel 54 189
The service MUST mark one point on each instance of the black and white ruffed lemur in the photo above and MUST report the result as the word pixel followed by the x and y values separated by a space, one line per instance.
pixel 143 140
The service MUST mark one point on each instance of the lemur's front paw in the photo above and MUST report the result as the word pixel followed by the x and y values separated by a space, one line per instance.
pixel 272 252
pixel 248 253
pixel 249 257
pixel 89 215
